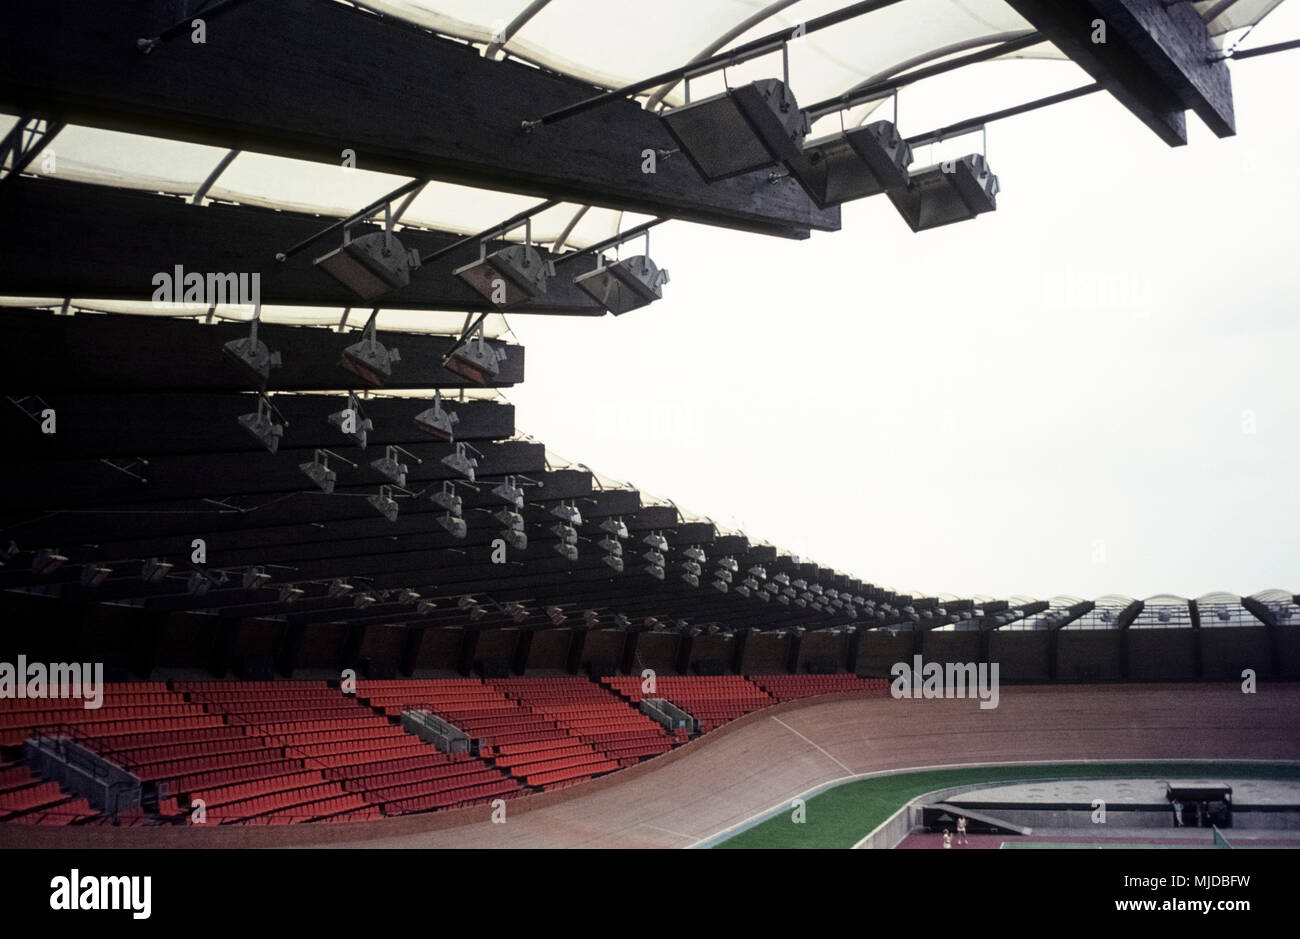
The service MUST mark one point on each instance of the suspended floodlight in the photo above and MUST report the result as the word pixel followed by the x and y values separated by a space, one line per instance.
pixel 652 623
pixel 518 613
pixel 782 599
pixel 621 621
pixel 260 425
pixel 351 422
pixel 761 594
pixel 816 589
pixel 338 588
pixel 425 607
pixel 801 603
pixel 692 579
pixel 728 564
pixel 477 612
pixel 852 164
pixel 437 421
pixel 154 571
pixel 474 359
pixel 461 462
pixel 654 557
pixel 953 191
pixel 750 583
pixel 655 570
pixel 372 265
pixel 466 603
pixel 370 360
pixel 389 467
pixel 511 520
pixel 590 619
pixel 692 567
pixel 789 592
pixel 568 513
pixel 694 553
pixel 251 352
pixel 407 597
pixel 625 285
pixel 612 545
pixel 291 594
pixel 384 503
pixel 566 533
pixel 92 575
pixel 516 540
pixel 758 572
pixel 555 615
pixel 319 472
pixel 453 525
pixel 509 492
pixel 513 275
pixel 567 551
pixel 799 584
pixel 255 577
pixel 723 575
pixel 742 590
pixel 741 130
pixel 47 561
pixel 446 498
pixel 613 562
pixel 720 586
pixel 198 584
pixel 615 527
pixel 363 600
pixel 656 541
pixel 781 579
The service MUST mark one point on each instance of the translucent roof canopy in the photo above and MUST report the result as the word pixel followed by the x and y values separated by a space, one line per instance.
pixel 149 164
pixel 433 322
pixel 595 41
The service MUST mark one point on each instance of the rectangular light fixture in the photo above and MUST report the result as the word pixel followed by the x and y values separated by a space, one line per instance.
pixel 437 421
pixel 261 427
pixel 513 275
pixel 92 575
pixel 446 498
pixel 319 472
pixel 953 191
pixel 461 462
pixel 154 571
pixel 625 285
pixel 852 164
pixel 370 360
pixel 384 503
pixel 741 130
pixel 47 561
pixel 352 423
pixel 476 361
pixel 453 525
pixel 370 266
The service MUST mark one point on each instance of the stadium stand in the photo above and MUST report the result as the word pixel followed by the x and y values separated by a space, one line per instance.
pixel 285 752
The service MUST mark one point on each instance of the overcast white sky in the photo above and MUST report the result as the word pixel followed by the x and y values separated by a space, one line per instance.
pixel 1093 390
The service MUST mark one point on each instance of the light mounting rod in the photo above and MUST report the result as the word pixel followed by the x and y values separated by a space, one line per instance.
pixel 885 88
pixel 358 216
pixel 742 53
